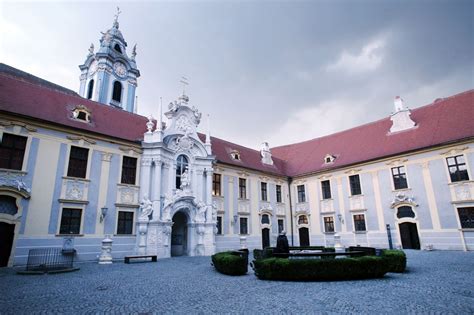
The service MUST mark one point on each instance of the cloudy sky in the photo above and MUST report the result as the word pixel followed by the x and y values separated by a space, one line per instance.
pixel 271 71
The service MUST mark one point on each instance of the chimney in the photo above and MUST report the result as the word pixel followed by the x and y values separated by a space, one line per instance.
pixel 401 120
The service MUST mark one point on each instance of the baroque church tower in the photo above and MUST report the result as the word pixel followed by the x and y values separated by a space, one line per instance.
pixel 109 75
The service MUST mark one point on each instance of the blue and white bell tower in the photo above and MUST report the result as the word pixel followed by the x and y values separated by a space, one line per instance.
pixel 109 76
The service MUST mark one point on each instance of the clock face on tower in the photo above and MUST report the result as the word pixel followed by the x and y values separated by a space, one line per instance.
pixel 120 69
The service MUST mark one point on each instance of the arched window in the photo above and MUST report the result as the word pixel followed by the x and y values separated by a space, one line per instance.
pixel 265 219
pixel 90 88
pixel 117 92
pixel 117 48
pixel 181 165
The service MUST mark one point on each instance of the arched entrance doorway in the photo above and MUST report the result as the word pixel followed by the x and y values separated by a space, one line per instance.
pixel 409 235
pixel 265 238
pixel 304 236
pixel 179 235
pixel 7 232
pixel 8 224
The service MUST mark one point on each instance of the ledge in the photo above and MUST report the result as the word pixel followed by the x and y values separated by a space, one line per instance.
pixel 327 212
pixel 127 205
pixel 64 235
pixel 461 182
pixel 128 185
pixel 463 201
pixel 359 232
pixel 401 190
pixel 358 210
pixel 84 202
pixel 125 235
pixel 77 178
pixel 7 170
pixel 466 230
pixel 355 196
pixel 329 233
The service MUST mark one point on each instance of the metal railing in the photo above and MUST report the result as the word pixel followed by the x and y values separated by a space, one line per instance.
pixel 49 259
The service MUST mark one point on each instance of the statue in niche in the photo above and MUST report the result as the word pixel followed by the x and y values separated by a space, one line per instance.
pixel 201 212
pixel 166 214
pixel 146 207
pixel 91 49
pixel 185 180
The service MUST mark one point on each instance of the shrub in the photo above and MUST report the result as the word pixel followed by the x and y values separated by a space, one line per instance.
pixel 233 263
pixel 321 269
pixel 263 253
pixel 397 259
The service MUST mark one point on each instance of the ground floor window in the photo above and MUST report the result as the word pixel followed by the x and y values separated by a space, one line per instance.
pixel 244 226
pixel 281 225
pixel 125 222
pixel 70 221
pixel 328 224
pixel 359 223
pixel 219 225
pixel 466 217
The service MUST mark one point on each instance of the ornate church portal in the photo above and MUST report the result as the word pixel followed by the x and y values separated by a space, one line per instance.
pixel 177 216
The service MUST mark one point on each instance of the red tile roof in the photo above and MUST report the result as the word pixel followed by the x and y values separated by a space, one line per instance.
pixel 446 120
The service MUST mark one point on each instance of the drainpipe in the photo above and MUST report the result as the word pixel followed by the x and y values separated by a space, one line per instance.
pixel 291 208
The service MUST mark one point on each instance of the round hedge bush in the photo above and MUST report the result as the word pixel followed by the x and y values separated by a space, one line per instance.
pixel 233 263
pixel 397 259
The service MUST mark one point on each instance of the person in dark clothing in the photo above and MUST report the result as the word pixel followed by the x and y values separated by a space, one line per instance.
pixel 282 244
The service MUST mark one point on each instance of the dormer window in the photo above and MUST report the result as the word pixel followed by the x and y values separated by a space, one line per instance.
pixel 117 48
pixel 235 155
pixel 328 159
pixel 81 113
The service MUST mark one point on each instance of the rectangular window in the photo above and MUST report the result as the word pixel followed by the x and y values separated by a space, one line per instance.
pixel 326 189
pixel 70 221
pixel 243 226
pixel 12 151
pixel 278 193
pixel 216 184
pixel 354 182
pixel 219 225
pixel 328 224
pixel 457 168
pixel 129 170
pixel 281 225
pixel 78 162
pixel 125 222
pixel 466 217
pixel 399 177
pixel 359 222
pixel 242 188
pixel 301 193
pixel 263 187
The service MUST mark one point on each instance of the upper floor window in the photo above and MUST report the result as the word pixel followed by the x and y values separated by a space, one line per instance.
pixel 354 182
pixel 328 224
pixel 129 170
pixel 278 193
pixel 265 219
pixel 90 88
pixel 399 177
pixel 125 222
pixel 70 221
pixel 181 166
pixel 242 188
pixel 466 217
pixel 216 184
pixel 263 190
pixel 301 193
pixel 326 189
pixel 117 92
pixel 359 223
pixel 302 219
pixel 12 151
pixel 457 168
pixel 244 229
pixel 78 162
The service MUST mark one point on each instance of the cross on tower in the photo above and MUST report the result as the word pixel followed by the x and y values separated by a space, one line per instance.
pixel 185 82
pixel 117 14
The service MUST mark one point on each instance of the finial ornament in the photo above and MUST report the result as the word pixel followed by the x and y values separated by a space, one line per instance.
pixel 91 49
pixel 150 124
pixel 116 16
pixel 134 51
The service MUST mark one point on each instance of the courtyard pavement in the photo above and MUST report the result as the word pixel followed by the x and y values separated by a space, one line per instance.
pixel 436 282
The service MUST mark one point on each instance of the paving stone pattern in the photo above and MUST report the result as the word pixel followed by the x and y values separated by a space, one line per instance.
pixel 441 282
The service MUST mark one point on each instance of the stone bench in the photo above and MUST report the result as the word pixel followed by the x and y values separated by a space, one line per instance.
pixel 128 258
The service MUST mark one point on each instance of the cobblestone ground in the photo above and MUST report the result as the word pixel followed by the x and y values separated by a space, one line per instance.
pixel 436 282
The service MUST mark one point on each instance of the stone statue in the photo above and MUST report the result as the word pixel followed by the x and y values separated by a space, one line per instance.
pixel 166 214
pixel 201 212
pixel 134 51
pixel 146 207
pixel 106 39
pixel 173 106
pixel 91 49
pixel 214 212
pixel 185 180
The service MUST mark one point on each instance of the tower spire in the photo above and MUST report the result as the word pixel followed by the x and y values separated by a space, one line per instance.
pixel 116 16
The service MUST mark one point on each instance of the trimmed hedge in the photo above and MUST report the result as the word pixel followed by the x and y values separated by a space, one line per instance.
pixel 396 258
pixel 321 269
pixel 233 263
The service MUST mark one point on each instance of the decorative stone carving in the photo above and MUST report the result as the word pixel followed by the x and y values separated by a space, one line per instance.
pixel 183 124
pixel 74 190
pixel 244 206
pixel 106 156
pixel 401 118
pixel 326 205
pixel 302 207
pixel 280 210
pixel 201 209
pixel 127 195
pixel 266 154
pixel 166 233
pixel 14 180
pixel 146 209
pixel 401 198
pixel 152 237
pixel 462 192
pixel 150 125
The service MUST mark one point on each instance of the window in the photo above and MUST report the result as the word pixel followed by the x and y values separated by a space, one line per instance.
pixel 457 168
pixel 359 223
pixel 117 48
pixel 117 92
pixel 90 88
pixel 235 155
pixel 12 151
pixel 216 184
pixel 70 221
pixel 219 225
pixel 328 224
pixel 466 217
pixel 181 166
pixel 78 162
pixel 278 193
pixel 265 219
pixel 263 189
pixel 125 222
pixel 242 188
pixel 354 182
pixel 281 226
pixel 301 193
pixel 129 170
pixel 243 226
pixel 326 189
pixel 399 177
pixel 302 219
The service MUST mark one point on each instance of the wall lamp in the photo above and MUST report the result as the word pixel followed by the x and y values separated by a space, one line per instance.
pixel 341 219
pixel 103 213
pixel 234 221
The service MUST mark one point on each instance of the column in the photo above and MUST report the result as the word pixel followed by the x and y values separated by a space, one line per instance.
pixel 156 193
pixel 172 178
pixel 145 178
pixel 209 186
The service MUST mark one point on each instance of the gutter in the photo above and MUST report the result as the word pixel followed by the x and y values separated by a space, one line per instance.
pixel 290 179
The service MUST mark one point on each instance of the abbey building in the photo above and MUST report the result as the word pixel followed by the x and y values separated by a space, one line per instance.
pixel 77 167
